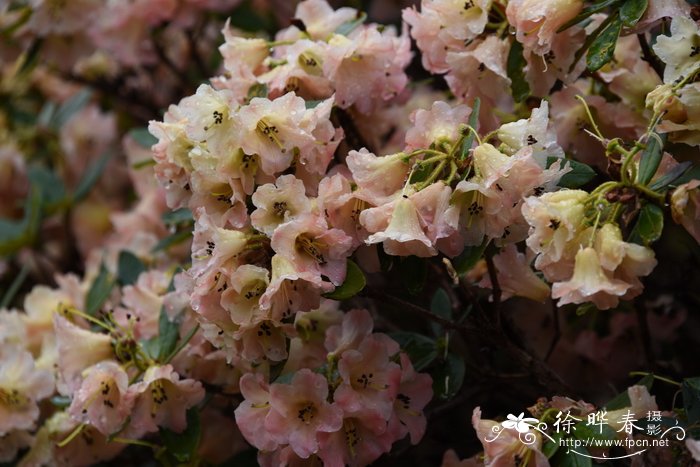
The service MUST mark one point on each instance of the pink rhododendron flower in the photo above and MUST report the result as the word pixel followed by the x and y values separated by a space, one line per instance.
pixel 299 411
pixel 22 386
pixel 536 22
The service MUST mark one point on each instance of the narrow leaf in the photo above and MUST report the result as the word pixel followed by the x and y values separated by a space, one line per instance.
pixel 671 176
pixel 99 291
pixel 473 121
pixel 70 108
pixel 579 175
pixel 651 158
pixel 92 175
pixel 602 49
pixel 632 11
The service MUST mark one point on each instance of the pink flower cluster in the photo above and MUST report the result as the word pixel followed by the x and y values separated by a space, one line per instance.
pixel 347 408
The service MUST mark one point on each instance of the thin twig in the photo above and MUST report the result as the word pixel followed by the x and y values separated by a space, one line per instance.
pixel 649 55
pixel 449 324
pixel 495 289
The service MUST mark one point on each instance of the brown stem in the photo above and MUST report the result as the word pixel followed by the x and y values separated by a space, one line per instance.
pixel 495 289
pixel 557 331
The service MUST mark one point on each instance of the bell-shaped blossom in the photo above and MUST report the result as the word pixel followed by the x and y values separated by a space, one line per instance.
pixel 242 298
pixel 291 290
pixel 102 400
pixel 536 21
pixel 22 386
pixel 368 67
pixel 77 349
pixel 555 219
pixel 681 119
pixel 356 325
pixel 299 411
pixel 251 413
pixel 162 399
pixel 142 304
pixel 276 129
pixel 263 340
pixel 516 276
pixel 342 207
pixel 535 132
pixel 589 283
pixel 378 177
pixel 480 71
pixel 440 123
pixel 679 51
pixel 278 203
pixel 311 247
pixel 443 25
pixel 370 381
pixel 415 391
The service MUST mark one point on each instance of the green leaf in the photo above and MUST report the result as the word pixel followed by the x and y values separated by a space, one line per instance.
pixel 469 257
pixel 622 400
pixel 257 90
pixel 672 177
pixel 422 350
pixel 312 104
pixel 691 399
pixel 178 216
pixel 354 282
pixel 602 49
pixel 586 12
pixel 52 189
pixel 441 306
pixel 421 173
pixel 448 377
pixel 516 72
pixel 413 272
pixel 99 291
pixel 14 235
pixel 590 39
pixel 349 26
pixel 91 176
pixel 651 158
pixel 579 175
pixel 168 333
pixel 183 446
pixel 143 137
pixel 550 448
pixel 171 240
pixel 130 268
pixel 632 11
pixel 649 226
pixel 473 121
pixel 46 114
pixel 70 108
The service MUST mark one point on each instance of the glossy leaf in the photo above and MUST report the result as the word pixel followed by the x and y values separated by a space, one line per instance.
pixel 602 48
pixel 449 377
pixel 469 257
pixel 632 11
pixel 422 350
pixel 588 11
pixel 473 122
pixel 651 158
pixel 129 269
pixel 649 226
pixel 354 282
pixel 672 177
pixel 579 175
